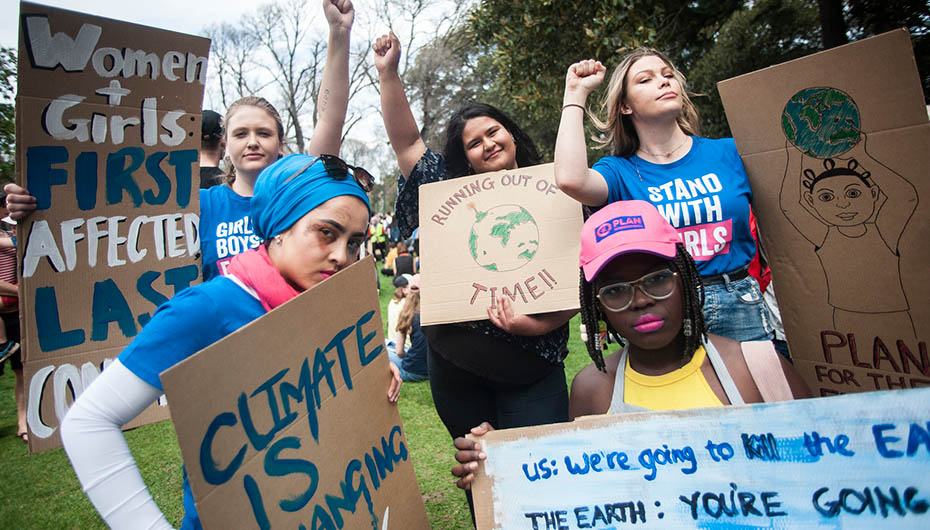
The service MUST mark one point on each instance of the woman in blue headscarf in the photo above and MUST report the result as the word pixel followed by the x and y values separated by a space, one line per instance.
pixel 311 213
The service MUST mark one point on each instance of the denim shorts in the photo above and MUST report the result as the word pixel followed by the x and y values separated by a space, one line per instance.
pixel 736 310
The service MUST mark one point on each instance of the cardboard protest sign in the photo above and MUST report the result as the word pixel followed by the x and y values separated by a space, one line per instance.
pixel 839 158
pixel 286 423
pixel 505 233
pixel 798 464
pixel 107 132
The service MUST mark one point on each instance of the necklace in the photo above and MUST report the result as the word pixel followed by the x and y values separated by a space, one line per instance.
pixel 657 155
pixel 668 154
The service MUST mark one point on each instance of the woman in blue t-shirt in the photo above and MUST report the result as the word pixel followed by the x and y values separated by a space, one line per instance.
pixel 311 214
pixel 698 184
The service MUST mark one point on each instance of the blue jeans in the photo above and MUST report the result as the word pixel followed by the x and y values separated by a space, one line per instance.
pixel 406 375
pixel 736 310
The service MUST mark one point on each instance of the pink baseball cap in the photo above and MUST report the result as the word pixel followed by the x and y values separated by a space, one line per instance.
pixel 622 227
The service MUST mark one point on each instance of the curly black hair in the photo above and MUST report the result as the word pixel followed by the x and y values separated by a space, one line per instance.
pixel 454 153
pixel 693 304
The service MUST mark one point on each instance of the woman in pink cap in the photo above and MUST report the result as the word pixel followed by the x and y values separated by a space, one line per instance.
pixel 640 283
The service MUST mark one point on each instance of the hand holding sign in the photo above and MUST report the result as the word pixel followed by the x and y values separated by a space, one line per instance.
pixel 469 454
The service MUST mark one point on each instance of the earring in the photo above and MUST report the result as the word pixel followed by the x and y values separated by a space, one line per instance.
pixel 686 327
pixel 277 239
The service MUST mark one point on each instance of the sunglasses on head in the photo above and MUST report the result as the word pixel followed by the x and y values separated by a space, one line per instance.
pixel 338 169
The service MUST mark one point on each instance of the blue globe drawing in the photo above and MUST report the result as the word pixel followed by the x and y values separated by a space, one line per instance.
pixel 821 122
pixel 503 238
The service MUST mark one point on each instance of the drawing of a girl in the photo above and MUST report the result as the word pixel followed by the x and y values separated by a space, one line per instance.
pixel 852 208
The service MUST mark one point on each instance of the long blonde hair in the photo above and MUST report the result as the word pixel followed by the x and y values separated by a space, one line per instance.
pixel 411 308
pixel 619 133
pixel 249 101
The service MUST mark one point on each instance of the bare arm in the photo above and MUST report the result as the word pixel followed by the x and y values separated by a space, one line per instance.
pixel 399 122
pixel 591 392
pixel 333 99
pixel 572 174
pixel 400 338
pixel 8 289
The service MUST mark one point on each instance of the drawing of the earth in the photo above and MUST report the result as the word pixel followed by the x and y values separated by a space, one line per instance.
pixel 503 238
pixel 821 122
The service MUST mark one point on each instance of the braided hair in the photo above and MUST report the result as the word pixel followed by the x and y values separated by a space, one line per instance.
pixel 694 328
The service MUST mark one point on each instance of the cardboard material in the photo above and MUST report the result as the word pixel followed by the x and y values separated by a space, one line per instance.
pixel 107 132
pixel 800 464
pixel 309 381
pixel 505 233
pixel 837 148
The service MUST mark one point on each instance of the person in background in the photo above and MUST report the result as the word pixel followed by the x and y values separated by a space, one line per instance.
pixel 412 348
pixel 395 305
pixel 698 184
pixel 9 312
pixel 404 263
pixel 211 149
pixel 639 280
pixel 388 269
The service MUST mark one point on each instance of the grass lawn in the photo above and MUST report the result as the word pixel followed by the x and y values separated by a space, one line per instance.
pixel 40 491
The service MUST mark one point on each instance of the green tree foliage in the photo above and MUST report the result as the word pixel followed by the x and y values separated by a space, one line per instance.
pixel 7 113
pixel 871 17
pixel 769 32
pixel 531 44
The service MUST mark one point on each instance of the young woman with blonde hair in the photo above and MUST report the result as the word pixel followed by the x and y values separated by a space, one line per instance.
pixel 699 185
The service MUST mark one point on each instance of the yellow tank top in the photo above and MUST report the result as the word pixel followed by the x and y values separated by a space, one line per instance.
pixel 685 388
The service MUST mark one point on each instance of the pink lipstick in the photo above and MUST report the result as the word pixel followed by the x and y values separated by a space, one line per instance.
pixel 648 323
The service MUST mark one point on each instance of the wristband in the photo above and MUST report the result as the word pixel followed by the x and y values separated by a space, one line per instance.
pixel 565 106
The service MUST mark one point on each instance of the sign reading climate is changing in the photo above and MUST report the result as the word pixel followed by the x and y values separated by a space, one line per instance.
pixel 510 234
pixel 107 131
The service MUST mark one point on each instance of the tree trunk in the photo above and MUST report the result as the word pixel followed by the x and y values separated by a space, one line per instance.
pixel 832 24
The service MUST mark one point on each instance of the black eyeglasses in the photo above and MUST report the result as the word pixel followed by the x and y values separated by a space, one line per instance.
pixel 338 169
pixel 658 285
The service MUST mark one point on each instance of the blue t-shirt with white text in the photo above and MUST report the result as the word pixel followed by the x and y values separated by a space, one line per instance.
pixel 225 228
pixel 705 195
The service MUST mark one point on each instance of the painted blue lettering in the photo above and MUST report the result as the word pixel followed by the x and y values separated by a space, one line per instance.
pixel 109 305
pixel 48 323
pixel 302 392
pixel 211 473
pixel 41 176
pixel 261 441
pixel 882 441
pixel 183 162
pixel 576 469
pixel 363 356
pixel 282 467
pixel 322 368
pixel 163 184
pixel 120 166
pixel 255 499
pixel 338 343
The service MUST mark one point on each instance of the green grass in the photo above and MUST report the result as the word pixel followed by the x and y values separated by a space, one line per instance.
pixel 40 491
